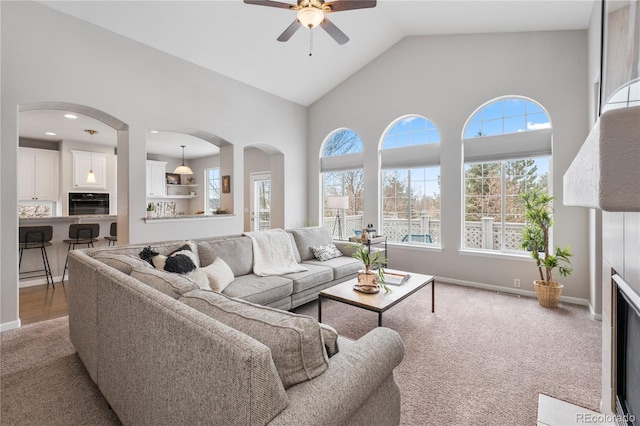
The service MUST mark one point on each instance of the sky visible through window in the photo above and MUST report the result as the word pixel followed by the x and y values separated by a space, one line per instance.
pixel 507 116
pixel 411 131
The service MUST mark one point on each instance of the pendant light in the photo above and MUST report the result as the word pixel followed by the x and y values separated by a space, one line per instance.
pixel 182 169
pixel 91 177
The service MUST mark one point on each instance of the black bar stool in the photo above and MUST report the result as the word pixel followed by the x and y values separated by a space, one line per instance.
pixel 80 233
pixel 113 234
pixel 36 237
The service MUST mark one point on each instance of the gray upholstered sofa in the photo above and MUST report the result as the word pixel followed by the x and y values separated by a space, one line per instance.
pixel 164 351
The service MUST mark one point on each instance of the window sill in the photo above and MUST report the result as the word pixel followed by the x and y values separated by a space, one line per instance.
pixel 421 247
pixel 493 254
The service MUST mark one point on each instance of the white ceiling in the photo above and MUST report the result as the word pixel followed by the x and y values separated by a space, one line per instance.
pixel 239 40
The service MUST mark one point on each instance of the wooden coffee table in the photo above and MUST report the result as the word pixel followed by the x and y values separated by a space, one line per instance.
pixel 378 302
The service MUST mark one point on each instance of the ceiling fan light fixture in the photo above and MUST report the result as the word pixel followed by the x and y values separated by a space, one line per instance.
pixel 310 17
pixel 182 169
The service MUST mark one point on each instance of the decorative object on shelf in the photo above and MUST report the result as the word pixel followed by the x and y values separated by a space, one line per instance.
pixel 226 184
pixel 182 169
pixel 221 211
pixel 150 209
pixel 535 239
pixel 173 178
pixel 338 203
pixel 371 231
pixel 91 177
pixel 368 277
pixel 191 180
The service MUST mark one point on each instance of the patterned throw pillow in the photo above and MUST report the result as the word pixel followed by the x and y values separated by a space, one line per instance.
pixel 326 252
pixel 181 261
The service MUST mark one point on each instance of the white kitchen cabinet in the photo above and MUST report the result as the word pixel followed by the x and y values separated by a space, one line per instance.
pixel 38 174
pixel 156 178
pixel 83 162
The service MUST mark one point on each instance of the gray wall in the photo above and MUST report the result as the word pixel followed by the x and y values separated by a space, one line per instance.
pixel 446 78
pixel 144 89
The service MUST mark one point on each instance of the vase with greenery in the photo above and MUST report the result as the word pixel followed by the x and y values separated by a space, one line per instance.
pixel 371 260
pixel 150 210
pixel 535 239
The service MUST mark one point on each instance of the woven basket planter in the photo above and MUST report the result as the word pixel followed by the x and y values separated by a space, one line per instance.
pixel 548 294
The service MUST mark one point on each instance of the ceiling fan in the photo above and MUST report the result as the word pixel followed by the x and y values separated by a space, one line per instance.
pixel 311 13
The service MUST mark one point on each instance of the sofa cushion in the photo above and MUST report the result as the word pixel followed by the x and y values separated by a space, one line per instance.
pixel 122 262
pixel 308 237
pixel 315 276
pixel 325 252
pixel 295 340
pixel 219 274
pixel 174 285
pixel 237 252
pixel 262 290
pixel 343 266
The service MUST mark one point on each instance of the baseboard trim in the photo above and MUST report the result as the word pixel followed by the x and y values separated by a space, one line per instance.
pixel 34 282
pixel 10 325
pixel 527 293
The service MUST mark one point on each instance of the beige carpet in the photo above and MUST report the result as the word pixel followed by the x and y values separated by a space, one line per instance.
pixel 481 359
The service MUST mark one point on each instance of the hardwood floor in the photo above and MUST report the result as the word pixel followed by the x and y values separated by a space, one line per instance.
pixel 42 302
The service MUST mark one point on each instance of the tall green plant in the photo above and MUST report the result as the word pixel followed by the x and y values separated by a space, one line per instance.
pixel 535 236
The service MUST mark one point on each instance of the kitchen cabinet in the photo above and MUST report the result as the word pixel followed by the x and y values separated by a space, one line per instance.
pixel 38 174
pixel 83 162
pixel 156 179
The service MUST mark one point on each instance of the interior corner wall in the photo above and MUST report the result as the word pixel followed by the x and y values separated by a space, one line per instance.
pixel 445 79
pixel 145 89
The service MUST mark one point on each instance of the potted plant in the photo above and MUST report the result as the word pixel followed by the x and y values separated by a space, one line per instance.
pixel 375 259
pixel 535 239
pixel 150 210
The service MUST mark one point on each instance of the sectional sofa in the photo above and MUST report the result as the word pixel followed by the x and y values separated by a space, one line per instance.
pixel 163 350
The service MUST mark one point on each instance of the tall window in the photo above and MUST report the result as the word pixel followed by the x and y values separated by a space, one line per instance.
pixel 343 175
pixel 507 151
pixel 410 160
pixel 213 189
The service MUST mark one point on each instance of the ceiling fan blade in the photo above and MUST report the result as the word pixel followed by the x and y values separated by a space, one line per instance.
pixel 291 29
pixel 269 3
pixel 334 31
pixel 340 5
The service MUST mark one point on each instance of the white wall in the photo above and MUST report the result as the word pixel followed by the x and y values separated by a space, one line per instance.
pixel 445 78
pixel 145 89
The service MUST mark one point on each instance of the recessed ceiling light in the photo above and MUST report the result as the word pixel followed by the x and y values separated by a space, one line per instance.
pixel 70 116
pixel 153 131
pixel 49 133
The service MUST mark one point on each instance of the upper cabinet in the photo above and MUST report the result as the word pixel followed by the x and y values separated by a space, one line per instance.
pixel 38 174
pixel 156 178
pixel 85 161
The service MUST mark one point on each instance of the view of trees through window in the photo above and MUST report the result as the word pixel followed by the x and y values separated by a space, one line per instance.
pixel 213 189
pixel 493 210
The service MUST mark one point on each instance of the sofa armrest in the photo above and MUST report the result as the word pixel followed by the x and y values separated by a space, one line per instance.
pixel 355 373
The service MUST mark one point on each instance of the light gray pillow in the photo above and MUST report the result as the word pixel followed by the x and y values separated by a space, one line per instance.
pixel 325 252
pixel 330 339
pixel 295 340
pixel 219 275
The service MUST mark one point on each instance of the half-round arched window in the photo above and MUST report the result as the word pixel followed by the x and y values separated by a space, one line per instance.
pixel 410 162
pixel 507 151
pixel 341 142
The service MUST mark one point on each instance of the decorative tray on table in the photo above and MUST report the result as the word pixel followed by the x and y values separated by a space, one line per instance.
pixel 367 289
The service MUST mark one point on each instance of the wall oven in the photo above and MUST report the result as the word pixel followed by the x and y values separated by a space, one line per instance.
pixel 88 203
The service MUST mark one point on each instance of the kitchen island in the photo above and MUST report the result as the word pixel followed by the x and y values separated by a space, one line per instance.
pixel 57 253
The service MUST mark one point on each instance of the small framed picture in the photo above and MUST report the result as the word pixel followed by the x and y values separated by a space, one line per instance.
pixel 173 178
pixel 226 184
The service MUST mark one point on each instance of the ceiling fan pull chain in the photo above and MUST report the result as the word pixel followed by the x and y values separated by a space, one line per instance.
pixel 310 42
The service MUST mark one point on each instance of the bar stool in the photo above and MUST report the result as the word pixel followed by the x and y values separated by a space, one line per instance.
pixel 36 237
pixel 80 233
pixel 113 234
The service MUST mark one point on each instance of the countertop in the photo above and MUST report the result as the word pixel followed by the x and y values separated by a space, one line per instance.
pixel 77 218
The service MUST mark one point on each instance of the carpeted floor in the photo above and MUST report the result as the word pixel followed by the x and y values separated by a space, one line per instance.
pixel 481 359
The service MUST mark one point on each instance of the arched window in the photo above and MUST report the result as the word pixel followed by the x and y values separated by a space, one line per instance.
pixel 507 151
pixel 410 162
pixel 626 96
pixel 342 171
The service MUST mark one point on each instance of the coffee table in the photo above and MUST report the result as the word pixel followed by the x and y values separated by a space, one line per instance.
pixel 381 301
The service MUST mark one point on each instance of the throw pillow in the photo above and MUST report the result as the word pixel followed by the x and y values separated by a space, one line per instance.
pixel 326 252
pixel 180 261
pixel 295 340
pixel 219 274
